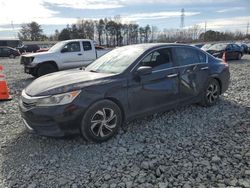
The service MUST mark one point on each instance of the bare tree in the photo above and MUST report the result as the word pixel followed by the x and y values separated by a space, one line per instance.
pixel 100 30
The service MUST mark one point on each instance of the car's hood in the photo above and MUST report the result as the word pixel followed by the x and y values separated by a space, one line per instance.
pixel 38 54
pixel 65 81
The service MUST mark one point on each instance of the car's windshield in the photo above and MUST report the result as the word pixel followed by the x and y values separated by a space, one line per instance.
pixel 57 46
pixel 218 47
pixel 116 61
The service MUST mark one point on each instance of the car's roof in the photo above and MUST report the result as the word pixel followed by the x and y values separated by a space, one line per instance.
pixel 147 46
pixel 72 40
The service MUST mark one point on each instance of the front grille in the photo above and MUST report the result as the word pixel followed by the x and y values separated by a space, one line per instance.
pixel 26 60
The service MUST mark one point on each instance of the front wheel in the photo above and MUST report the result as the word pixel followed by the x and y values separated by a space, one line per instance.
pixel 211 93
pixel 101 121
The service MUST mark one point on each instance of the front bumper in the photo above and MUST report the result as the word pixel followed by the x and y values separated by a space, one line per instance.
pixel 56 121
pixel 30 70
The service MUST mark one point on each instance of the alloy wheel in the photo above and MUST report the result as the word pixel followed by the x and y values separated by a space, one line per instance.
pixel 212 93
pixel 103 122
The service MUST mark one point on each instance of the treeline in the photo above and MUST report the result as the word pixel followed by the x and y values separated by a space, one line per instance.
pixel 196 34
pixel 223 36
pixel 112 32
pixel 106 31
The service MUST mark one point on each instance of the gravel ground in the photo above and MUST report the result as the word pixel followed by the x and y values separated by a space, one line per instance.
pixel 187 147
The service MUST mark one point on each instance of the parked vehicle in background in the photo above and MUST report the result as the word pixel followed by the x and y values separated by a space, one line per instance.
pixel 43 50
pixel 13 43
pixel 205 47
pixel 6 51
pixel 28 48
pixel 99 47
pixel 233 51
pixel 63 55
pixel 124 84
pixel 243 46
pixel 248 49
pixel 198 45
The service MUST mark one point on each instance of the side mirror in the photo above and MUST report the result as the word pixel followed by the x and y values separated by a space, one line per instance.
pixel 144 70
pixel 64 50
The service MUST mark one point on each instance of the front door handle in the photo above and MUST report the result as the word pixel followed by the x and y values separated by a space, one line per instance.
pixel 204 68
pixel 79 54
pixel 172 75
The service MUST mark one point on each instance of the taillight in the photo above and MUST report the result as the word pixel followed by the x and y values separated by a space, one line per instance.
pixel 224 57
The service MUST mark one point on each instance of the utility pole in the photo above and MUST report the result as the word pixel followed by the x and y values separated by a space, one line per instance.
pixel 182 18
pixel 204 38
pixel 247 28
pixel 13 29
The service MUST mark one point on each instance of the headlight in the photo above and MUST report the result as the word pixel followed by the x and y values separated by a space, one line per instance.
pixel 59 99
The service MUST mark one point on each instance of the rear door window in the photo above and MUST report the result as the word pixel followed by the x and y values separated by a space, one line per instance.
pixel 202 57
pixel 188 56
pixel 229 47
pixel 236 47
pixel 86 46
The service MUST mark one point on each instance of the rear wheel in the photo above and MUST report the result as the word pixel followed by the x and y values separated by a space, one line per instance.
pixel 45 69
pixel 101 121
pixel 211 93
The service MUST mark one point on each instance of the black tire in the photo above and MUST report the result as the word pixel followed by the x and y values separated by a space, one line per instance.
pixel 45 69
pixel 239 56
pixel 95 127
pixel 34 75
pixel 211 93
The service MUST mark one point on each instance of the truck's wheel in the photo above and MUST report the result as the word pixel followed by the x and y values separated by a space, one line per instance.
pixel 45 69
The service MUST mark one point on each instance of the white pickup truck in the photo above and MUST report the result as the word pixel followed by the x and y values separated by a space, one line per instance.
pixel 63 55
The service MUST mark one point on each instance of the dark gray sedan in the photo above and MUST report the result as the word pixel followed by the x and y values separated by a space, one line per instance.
pixel 124 84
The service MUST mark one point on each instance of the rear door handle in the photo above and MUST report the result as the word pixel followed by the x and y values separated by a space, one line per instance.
pixel 172 75
pixel 79 54
pixel 204 68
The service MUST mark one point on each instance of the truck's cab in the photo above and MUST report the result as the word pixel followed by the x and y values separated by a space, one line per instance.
pixel 63 55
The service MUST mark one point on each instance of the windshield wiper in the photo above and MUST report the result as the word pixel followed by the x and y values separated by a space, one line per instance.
pixel 92 71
